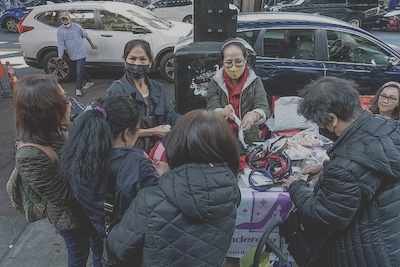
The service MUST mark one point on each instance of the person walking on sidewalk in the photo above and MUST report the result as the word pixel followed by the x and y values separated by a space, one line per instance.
pixel 70 39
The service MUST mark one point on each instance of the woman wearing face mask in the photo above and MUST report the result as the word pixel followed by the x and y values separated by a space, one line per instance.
pixel 386 100
pixel 235 90
pixel 355 205
pixel 156 113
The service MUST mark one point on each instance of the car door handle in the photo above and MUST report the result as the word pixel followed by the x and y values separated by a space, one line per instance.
pixel 106 35
pixel 268 66
pixel 338 70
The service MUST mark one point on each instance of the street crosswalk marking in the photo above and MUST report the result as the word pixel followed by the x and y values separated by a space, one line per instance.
pixel 17 62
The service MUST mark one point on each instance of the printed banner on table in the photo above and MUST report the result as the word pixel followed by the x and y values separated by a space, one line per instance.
pixel 257 210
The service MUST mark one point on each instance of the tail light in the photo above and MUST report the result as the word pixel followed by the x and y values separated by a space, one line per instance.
pixel 22 28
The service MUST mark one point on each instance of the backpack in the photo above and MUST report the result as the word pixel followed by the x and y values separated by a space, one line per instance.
pixel 23 198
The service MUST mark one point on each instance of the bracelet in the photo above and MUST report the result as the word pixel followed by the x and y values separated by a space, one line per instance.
pixel 254 115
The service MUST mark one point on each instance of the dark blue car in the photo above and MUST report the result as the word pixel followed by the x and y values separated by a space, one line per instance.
pixel 292 49
pixel 295 48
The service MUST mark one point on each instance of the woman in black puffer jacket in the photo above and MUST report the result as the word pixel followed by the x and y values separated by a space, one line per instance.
pixel 189 218
pixel 357 199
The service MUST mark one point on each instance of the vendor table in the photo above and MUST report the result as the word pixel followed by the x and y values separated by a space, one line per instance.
pixel 257 210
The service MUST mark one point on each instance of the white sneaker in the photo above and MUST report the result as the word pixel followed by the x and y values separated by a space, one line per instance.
pixel 78 92
pixel 88 85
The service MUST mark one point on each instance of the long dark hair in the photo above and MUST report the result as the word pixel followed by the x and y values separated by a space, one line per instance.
pixel 202 137
pixel 374 104
pixel 88 147
pixel 40 109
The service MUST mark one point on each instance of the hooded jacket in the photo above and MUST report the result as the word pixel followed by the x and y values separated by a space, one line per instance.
pixel 135 172
pixel 357 200
pixel 187 220
pixel 252 97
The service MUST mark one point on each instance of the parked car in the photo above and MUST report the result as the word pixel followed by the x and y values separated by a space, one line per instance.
pixel 10 17
pixel 351 11
pixel 385 20
pixel 177 10
pixel 295 48
pixel 110 25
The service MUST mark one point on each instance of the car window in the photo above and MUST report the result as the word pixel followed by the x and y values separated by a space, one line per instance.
pixel 352 48
pixel 85 18
pixel 149 19
pixel 172 3
pixel 249 36
pixel 49 18
pixel 293 44
pixel 115 22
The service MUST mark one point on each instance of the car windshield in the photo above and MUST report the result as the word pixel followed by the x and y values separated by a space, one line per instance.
pixel 150 19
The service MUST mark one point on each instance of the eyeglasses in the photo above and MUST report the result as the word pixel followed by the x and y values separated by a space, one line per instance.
pixel 238 63
pixel 391 99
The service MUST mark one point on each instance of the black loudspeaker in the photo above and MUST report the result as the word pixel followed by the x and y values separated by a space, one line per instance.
pixel 195 65
pixel 214 20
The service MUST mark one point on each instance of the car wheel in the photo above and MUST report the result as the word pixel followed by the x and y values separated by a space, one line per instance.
pixel 11 25
pixel 355 21
pixel 167 67
pixel 188 19
pixel 62 69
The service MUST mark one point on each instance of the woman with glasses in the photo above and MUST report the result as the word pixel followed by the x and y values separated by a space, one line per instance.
pixel 386 100
pixel 236 91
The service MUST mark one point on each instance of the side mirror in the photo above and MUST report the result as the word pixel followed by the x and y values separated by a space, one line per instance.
pixel 393 62
pixel 151 7
pixel 140 30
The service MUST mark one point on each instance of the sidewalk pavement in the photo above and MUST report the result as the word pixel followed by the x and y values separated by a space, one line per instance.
pixel 37 245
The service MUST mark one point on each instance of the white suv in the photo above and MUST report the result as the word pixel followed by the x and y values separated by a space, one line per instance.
pixel 110 25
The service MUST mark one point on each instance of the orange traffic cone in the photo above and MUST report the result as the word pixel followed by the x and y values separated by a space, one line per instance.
pixel 12 76
pixel 2 75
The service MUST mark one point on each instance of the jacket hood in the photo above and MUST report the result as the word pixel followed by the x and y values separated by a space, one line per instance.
pixel 202 191
pixel 372 141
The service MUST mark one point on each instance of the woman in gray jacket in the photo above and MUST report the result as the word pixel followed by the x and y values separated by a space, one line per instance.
pixel 235 90
pixel 188 219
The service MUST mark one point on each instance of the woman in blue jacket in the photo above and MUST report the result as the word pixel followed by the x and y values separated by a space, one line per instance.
pixel 102 138
pixel 157 115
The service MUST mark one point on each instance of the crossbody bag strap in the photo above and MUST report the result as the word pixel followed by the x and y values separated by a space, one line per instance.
pixel 48 150
pixel 110 193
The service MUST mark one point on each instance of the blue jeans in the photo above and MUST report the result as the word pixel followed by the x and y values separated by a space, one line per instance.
pixel 78 242
pixel 81 74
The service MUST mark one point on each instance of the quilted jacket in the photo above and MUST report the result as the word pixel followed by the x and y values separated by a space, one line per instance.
pixel 187 220
pixel 43 176
pixel 253 97
pixel 357 199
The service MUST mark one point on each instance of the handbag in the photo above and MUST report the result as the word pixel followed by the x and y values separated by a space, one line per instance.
pixel 285 115
pixel 304 243
pixel 23 198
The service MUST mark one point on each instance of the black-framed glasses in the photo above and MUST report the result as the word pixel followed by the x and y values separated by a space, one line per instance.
pixel 238 63
pixel 391 99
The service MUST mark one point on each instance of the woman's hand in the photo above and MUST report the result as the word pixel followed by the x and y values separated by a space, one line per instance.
pixel 249 119
pixel 287 182
pixel 160 166
pixel 313 171
pixel 228 111
pixel 161 130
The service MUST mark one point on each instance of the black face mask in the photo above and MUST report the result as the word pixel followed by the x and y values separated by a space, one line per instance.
pixel 328 134
pixel 137 71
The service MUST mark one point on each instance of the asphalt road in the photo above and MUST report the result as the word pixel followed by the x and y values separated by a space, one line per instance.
pixel 13 228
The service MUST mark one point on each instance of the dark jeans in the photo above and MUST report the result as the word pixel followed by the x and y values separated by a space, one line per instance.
pixel 78 242
pixel 81 74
